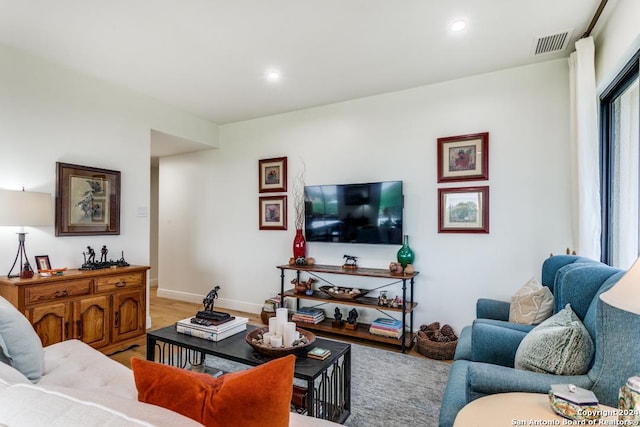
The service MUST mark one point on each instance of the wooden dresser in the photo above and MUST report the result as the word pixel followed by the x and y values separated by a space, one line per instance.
pixel 105 308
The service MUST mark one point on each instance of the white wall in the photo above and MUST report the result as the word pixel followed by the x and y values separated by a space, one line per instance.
pixel 617 38
pixel 209 201
pixel 50 114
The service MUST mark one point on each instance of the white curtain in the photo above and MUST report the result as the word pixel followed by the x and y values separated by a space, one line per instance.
pixel 585 176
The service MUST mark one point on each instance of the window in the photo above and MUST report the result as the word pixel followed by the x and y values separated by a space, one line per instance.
pixel 620 168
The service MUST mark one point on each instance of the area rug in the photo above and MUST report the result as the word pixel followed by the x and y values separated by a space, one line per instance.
pixel 388 388
pixel 394 389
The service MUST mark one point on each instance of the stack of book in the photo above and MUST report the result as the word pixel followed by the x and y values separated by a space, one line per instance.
pixel 270 305
pixel 212 333
pixel 386 327
pixel 309 315
pixel 319 353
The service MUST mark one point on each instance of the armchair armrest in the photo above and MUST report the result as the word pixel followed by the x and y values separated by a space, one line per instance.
pixel 496 342
pixel 492 309
pixel 484 379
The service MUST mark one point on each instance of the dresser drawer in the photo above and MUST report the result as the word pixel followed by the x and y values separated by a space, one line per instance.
pixel 119 281
pixel 56 291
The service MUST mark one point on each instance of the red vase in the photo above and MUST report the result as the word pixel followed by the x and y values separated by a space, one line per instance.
pixel 299 245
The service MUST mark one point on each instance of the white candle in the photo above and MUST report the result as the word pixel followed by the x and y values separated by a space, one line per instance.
pixel 289 334
pixel 273 325
pixel 266 338
pixel 276 341
pixel 282 314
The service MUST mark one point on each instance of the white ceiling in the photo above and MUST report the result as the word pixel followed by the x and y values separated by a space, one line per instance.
pixel 210 56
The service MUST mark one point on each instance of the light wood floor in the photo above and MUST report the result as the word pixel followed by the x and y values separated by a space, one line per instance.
pixel 165 312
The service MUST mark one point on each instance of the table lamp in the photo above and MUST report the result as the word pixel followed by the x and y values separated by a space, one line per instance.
pixel 24 209
pixel 625 295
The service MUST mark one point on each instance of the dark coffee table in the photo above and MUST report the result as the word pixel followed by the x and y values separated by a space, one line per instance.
pixel 328 381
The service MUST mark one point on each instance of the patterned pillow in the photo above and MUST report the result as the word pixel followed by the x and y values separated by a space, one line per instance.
pixel 560 345
pixel 532 304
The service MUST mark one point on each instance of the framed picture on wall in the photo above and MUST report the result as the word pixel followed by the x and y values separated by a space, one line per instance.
pixel 463 210
pixel 87 200
pixel 463 158
pixel 273 212
pixel 272 175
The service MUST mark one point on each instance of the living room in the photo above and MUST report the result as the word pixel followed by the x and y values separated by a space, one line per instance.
pixel 207 200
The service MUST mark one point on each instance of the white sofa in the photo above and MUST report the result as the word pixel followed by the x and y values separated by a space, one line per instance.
pixel 82 387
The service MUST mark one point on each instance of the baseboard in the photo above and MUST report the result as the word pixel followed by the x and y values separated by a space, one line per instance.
pixel 221 303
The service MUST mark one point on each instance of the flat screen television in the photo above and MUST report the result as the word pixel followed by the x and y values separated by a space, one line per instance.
pixel 354 213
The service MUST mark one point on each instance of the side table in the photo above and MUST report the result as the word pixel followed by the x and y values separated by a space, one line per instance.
pixel 514 409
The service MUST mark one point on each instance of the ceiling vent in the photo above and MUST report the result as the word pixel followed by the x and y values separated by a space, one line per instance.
pixel 551 43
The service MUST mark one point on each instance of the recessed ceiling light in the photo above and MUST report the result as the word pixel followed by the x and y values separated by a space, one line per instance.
pixel 272 75
pixel 458 25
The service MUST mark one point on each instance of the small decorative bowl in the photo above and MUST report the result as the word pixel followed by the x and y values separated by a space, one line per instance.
pixel 269 351
pixel 343 293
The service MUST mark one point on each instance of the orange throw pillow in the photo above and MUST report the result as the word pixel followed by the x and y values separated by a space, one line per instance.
pixel 258 396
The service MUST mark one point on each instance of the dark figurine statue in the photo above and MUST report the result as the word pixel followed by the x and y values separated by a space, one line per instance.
pixel 337 315
pixel 209 300
pixel 92 254
pixel 353 316
pixel 208 316
pixel 103 253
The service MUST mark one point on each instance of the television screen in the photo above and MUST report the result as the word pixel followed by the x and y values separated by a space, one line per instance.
pixel 354 213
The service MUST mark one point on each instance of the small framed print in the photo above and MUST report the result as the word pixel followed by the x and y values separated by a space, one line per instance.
pixel 463 210
pixel 273 212
pixel 272 175
pixel 43 263
pixel 463 158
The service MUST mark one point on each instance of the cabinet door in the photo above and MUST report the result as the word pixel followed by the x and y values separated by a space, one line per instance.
pixel 91 320
pixel 129 314
pixel 51 322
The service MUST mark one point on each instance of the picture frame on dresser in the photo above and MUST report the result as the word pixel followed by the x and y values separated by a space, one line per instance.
pixel 43 263
pixel 272 212
pixel 463 210
pixel 272 175
pixel 463 157
pixel 87 200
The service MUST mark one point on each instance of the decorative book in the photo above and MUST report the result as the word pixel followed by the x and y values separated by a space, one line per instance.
pixel 319 353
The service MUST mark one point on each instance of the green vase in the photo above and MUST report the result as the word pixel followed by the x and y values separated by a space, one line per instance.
pixel 405 253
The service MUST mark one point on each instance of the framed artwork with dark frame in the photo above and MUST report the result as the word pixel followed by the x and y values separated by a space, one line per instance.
pixel 273 212
pixel 272 175
pixel 43 263
pixel 463 158
pixel 463 210
pixel 87 200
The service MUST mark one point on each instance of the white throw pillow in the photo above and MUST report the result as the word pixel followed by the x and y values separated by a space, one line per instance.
pixel 20 346
pixel 532 304
pixel 560 345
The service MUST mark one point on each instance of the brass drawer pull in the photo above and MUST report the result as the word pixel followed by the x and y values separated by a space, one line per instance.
pixel 121 284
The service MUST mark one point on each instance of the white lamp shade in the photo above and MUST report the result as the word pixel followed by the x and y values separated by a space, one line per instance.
pixel 625 294
pixel 25 208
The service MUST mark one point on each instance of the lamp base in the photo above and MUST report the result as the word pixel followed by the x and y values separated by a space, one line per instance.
pixel 26 274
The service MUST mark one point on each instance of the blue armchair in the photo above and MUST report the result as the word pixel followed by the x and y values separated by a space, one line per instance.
pixel 614 333
pixel 495 312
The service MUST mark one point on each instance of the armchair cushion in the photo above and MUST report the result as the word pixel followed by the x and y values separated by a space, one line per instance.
pixel 531 304
pixel 496 342
pixel 560 345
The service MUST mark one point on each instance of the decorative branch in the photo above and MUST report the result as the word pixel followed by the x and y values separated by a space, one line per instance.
pixel 298 196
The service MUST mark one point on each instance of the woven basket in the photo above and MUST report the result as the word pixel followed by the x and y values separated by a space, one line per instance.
pixel 434 349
